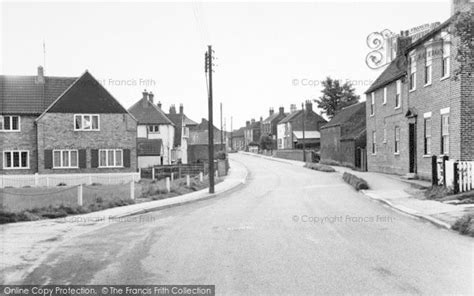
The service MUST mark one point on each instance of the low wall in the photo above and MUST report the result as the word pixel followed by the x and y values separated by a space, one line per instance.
pixel 293 155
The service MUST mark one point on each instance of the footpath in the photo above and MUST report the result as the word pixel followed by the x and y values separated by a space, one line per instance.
pixel 400 194
pixel 25 245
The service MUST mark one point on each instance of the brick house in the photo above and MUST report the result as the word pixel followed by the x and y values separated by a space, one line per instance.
pixel 252 133
pixel 290 129
pixel 63 125
pixel 238 139
pixel 155 132
pixel 181 135
pixel 198 148
pixel 343 139
pixel 269 126
pixel 417 109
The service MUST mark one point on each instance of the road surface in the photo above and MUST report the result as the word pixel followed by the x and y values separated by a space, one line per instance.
pixel 288 231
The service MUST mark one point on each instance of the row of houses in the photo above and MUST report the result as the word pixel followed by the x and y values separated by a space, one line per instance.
pixel 281 130
pixel 70 125
pixel 419 107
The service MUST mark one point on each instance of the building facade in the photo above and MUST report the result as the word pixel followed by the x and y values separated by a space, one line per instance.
pixel 60 125
pixel 183 124
pixel 422 107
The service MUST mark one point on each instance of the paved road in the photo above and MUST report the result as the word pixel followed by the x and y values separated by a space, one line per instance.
pixel 259 241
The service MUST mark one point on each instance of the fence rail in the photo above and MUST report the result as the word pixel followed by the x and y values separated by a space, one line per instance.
pixel 176 171
pixel 51 180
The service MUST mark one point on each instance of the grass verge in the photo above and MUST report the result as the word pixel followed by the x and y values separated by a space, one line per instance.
pixel 354 181
pixel 465 225
pixel 319 167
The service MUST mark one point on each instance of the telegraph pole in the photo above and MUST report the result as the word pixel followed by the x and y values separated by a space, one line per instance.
pixel 231 133
pixel 210 129
pixel 222 132
pixel 304 140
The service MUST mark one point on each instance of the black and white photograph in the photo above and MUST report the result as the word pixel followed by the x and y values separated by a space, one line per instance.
pixel 229 147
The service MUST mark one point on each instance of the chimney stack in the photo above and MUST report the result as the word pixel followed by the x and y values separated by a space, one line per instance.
pixel 252 121
pixel 309 106
pixel 181 109
pixel 247 123
pixel 282 110
pixel 145 94
pixel 159 104
pixel 40 77
pixel 172 109
pixel 271 111
pixel 292 108
pixel 150 97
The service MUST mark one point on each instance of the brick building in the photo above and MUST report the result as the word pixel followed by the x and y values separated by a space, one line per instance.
pixel 61 125
pixel 343 139
pixel 252 133
pixel 290 129
pixel 269 126
pixel 181 134
pixel 418 108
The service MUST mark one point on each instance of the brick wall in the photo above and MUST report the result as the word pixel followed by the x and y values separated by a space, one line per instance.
pixel 199 153
pixel 56 131
pixel 293 154
pixel 23 140
pixel 387 116
pixel 330 143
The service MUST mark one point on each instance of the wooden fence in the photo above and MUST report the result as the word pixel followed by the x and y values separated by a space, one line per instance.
pixel 454 174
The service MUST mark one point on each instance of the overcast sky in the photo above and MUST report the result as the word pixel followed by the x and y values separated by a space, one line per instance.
pixel 262 49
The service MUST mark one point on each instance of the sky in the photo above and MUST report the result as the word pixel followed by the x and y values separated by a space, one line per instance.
pixel 268 54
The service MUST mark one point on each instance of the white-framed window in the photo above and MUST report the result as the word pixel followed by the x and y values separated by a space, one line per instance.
pixel 16 159
pixel 155 129
pixel 185 132
pixel 398 95
pixel 384 135
pixel 86 122
pixel 110 158
pixel 65 159
pixel 427 135
pixel 428 64
pixel 445 63
pixel 372 103
pixel 412 72
pixel 397 140
pixel 385 95
pixel 374 142
pixel 9 123
pixel 445 133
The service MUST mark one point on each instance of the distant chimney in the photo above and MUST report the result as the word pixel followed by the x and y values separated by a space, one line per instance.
pixel 172 109
pixel 159 104
pixel 181 109
pixel 282 110
pixel 252 121
pixel 271 111
pixel 145 94
pixel 461 6
pixel 309 106
pixel 292 108
pixel 247 123
pixel 40 77
pixel 261 118
pixel 150 97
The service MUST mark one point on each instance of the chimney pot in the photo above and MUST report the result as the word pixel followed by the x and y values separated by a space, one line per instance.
pixel 145 94
pixel 282 110
pixel 40 77
pixel 159 104
pixel 181 109
pixel 150 96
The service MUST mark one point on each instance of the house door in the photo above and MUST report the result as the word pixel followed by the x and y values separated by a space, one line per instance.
pixel 412 146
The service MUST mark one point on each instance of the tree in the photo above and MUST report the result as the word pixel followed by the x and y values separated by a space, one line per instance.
pixel 464 30
pixel 266 143
pixel 336 96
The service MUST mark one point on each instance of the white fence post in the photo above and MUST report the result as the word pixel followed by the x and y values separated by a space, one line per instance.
pixel 47 181
pixel 153 173
pixel 188 181
pixel 172 177
pixel 216 173
pixel 90 179
pixel 36 180
pixel 132 189
pixel 168 187
pixel 79 195
pixel 201 177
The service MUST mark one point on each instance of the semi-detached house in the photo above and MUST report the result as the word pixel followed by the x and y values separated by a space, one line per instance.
pixel 63 125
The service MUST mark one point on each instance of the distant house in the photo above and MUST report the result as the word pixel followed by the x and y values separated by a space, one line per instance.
pixel 269 126
pixel 252 133
pixel 155 132
pixel 343 139
pixel 63 125
pixel 181 135
pixel 198 146
pixel 238 139
pixel 290 129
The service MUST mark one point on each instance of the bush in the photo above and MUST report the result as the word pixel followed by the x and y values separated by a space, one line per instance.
pixel 329 162
pixel 319 167
pixel 354 181
pixel 221 155
pixel 62 184
pixel 465 225
pixel 437 192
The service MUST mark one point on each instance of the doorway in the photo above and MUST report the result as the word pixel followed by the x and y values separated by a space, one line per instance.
pixel 412 147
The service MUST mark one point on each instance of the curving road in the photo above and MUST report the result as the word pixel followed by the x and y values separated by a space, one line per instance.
pixel 288 231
